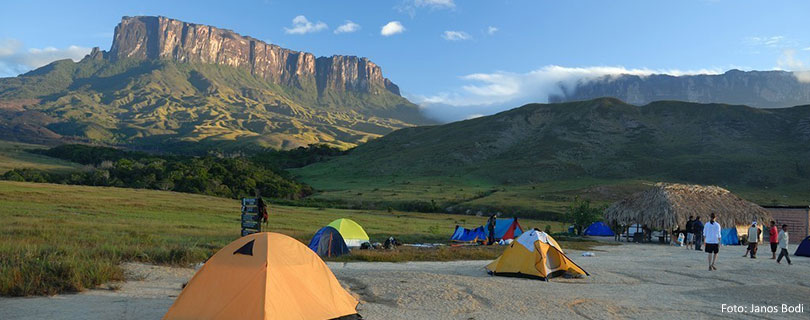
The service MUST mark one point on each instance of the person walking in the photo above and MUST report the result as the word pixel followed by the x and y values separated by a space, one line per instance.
pixel 690 232
pixel 753 241
pixel 773 238
pixel 784 239
pixel 697 228
pixel 711 234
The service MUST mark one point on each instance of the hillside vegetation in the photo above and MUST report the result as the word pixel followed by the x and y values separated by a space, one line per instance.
pixel 149 104
pixel 58 238
pixel 536 158
pixel 232 177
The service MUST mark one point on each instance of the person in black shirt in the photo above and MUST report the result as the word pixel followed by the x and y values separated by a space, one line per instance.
pixel 690 232
pixel 697 228
pixel 491 229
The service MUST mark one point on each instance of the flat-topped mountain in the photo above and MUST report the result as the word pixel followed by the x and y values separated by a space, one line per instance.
pixel 145 38
pixel 165 81
pixel 764 89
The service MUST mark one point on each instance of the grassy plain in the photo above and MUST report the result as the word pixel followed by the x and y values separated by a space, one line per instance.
pixel 59 238
pixel 14 155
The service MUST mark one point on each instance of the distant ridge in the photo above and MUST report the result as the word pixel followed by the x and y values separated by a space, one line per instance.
pixel 605 138
pixel 764 89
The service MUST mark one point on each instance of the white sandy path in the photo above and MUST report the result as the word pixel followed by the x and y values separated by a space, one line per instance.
pixel 627 281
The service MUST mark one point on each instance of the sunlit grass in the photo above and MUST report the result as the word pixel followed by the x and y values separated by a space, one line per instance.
pixel 59 238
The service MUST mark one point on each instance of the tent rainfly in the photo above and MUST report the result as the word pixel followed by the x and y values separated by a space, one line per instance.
pixel 669 205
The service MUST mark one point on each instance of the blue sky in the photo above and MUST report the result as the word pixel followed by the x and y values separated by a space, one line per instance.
pixel 456 55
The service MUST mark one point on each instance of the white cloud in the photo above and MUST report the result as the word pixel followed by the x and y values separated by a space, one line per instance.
pixel 392 28
pixel 789 61
pixel 770 41
pixel 455 35
pixel 410 6
pixel 491 30
pixel 806 49
pixel 347 27
pixel 489 93
pixel 300 25
pixel 14 60
pixel 435 4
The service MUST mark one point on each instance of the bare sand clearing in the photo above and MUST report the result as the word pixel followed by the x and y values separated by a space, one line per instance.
pixel 627 281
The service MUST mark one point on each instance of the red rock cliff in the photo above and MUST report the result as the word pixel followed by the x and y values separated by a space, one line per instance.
pixel 163 38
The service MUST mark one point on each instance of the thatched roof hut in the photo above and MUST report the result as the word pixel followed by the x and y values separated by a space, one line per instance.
pixel 669 205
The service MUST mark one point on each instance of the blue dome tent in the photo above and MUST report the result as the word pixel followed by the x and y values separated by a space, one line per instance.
pixel 599 229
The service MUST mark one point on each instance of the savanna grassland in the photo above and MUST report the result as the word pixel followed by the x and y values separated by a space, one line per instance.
pixel 59 238
pixel 15 155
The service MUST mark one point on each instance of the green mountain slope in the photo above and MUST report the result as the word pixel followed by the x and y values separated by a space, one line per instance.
pixel 579 145
pixel 154 100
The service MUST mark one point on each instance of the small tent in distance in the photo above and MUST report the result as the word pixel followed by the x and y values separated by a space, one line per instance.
pixel 353 234
pixel 507 228
pixel 729 237
pixel 534 255
pixel 469 235
pixel 804 248
pixel 328 242
pixel 263 276
pixel 598 229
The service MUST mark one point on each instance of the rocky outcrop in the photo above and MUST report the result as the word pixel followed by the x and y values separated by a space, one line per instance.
pixel 163 38
pixel 765 89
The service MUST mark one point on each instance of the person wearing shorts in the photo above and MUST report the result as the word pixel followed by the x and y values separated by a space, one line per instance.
pixel 711 235
pixel 690 232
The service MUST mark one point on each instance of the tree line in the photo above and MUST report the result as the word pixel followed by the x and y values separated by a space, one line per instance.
pixel 234 177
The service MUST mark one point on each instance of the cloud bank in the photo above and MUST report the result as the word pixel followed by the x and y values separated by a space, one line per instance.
pixel 14 60
pixel 789 61
pixel 489 93
pixel 301 25
pixel 392 28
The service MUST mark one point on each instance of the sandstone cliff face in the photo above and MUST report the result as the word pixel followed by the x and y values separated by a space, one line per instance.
pixel 164 38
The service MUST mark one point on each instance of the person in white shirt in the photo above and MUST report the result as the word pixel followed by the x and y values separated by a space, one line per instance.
pixel 711 235
pixel 753 240
pixel 784 239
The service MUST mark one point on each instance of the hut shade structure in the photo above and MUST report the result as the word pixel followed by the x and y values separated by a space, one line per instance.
pixel 668 206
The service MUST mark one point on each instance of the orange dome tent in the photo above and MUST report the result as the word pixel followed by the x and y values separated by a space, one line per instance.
pixel 263 276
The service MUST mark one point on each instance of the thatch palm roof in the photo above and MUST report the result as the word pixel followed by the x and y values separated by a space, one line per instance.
pixel 669 205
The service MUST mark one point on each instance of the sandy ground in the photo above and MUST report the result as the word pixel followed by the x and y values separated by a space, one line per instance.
pixel 627 282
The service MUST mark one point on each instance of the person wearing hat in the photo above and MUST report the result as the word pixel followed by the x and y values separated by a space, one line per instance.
pixel 753 240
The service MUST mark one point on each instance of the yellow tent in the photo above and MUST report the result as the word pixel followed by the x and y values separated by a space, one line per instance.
pixel 352 233
pixel 263 276
pixel 535 255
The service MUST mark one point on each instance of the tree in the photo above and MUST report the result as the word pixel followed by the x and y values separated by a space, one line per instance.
pixel 581 214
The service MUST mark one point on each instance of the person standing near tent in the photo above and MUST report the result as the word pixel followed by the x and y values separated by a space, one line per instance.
pixel 690 232
pixel 491 229
pixel 697 229
pixel 784 238
pixel 617 230
pixel 753 240
pixel 773 238
pixel 711 234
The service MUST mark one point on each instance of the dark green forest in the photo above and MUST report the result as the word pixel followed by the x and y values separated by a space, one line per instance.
pixel 232 177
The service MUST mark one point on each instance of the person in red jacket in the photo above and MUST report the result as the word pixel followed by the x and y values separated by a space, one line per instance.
pixel 773 238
